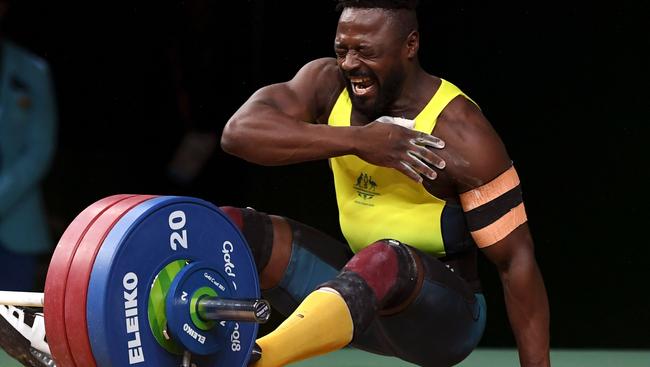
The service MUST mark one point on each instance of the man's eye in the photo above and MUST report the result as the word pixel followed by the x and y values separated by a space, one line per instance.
pixel 340 53
pixel 366 52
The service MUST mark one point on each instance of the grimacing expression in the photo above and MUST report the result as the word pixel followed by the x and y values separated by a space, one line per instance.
pixel 370 51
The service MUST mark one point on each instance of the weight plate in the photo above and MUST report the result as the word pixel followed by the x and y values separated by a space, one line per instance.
pixel 145 240
pixel 77 285
pixel 183 323
pixel 156 310
pixel 57 275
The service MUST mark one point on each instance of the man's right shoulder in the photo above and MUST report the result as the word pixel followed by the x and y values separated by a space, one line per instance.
pixel 322 71
pixel 324 77
pixel 324 64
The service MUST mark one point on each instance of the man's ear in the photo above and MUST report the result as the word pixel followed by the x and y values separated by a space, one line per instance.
pixel 413 44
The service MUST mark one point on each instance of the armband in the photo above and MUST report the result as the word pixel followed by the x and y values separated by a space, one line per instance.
pixel 495 209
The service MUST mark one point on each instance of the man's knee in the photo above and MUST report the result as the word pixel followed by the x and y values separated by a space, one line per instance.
pixel 269 239
pixel 381 277
pixel 378 265
pixel 390 269
pixel 235 215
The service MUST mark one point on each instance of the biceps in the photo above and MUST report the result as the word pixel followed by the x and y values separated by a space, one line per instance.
pixel 282 98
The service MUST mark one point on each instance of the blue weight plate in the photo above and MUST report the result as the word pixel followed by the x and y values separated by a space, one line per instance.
pixel 179 312
pixel 146 239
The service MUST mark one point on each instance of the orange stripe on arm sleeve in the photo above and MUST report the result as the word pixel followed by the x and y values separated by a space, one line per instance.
pixel 498 230
pixel 490 191
pixel 495 209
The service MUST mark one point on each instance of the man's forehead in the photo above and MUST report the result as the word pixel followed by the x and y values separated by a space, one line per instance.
pixel 364 15
pixel 366 19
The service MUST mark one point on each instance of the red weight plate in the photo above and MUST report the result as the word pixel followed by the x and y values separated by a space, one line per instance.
pixel 57 275
pixel 77 286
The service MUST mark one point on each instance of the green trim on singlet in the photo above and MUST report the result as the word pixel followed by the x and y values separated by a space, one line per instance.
pixel 377 202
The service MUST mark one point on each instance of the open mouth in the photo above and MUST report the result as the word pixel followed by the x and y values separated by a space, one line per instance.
pixel 362 85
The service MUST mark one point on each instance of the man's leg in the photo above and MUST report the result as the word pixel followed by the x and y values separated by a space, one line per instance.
pixel 380 276
pixel 399 301
pixel 439 326
pixel 321 323
pixel 268 239
pixel 293 259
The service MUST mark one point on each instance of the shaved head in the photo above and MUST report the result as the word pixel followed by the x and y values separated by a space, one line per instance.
pixel 402 13
pixel 384 4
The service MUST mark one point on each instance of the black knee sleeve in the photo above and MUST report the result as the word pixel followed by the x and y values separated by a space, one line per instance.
pixel 381 279
pixel 257 230
pixel 407 282
pixel 359 298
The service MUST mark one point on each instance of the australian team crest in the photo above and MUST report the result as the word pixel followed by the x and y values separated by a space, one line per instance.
pixel 366 187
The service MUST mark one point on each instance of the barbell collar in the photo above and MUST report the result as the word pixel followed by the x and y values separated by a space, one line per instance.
pixel 220 309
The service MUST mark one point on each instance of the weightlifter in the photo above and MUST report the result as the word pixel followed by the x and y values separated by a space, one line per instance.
pixel 422 182
pixel 414 207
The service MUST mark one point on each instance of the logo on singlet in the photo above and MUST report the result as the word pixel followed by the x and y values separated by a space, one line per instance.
pixel 366 187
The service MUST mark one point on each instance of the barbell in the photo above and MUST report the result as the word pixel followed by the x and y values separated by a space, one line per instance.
pixel 142 280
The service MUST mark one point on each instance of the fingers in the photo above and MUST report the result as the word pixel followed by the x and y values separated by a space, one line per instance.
pixel 422 158
pixel 428 157
pixel 417 163
pixel 407 170
pixel 428 140
pixel 414 167
pixel 410 152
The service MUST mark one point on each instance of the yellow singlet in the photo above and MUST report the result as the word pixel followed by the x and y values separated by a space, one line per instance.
pixel 381 203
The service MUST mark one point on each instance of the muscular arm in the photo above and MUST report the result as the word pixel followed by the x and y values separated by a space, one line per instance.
pixel 285 123
pixel 525 295
pixel 479 157
pixel 278 124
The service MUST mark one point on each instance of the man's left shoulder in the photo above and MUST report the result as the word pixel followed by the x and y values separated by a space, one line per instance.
pixel 463 118
pixel 474 151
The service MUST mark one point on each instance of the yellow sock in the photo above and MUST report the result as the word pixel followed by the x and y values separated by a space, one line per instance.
pixel 321 324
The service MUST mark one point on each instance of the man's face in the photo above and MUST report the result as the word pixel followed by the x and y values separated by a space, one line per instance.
pixel 370 53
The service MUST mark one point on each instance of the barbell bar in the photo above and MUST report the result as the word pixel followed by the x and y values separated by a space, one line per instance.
pixel 208 308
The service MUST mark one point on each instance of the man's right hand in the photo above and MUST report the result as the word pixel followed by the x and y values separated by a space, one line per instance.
pixel 405 150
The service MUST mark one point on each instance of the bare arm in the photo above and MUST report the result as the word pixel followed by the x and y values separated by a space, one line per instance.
pixel 479 158
pixel 285 123
pixel 278 124
pixel 525 295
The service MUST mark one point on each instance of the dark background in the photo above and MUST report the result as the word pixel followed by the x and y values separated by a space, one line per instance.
pixel 564 85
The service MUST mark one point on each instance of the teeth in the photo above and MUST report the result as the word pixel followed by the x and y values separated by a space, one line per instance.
pixel 359 90
pixel 359 80
pixel 361 85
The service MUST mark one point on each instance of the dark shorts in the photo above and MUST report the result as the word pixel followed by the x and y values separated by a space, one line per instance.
pixel 439 328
